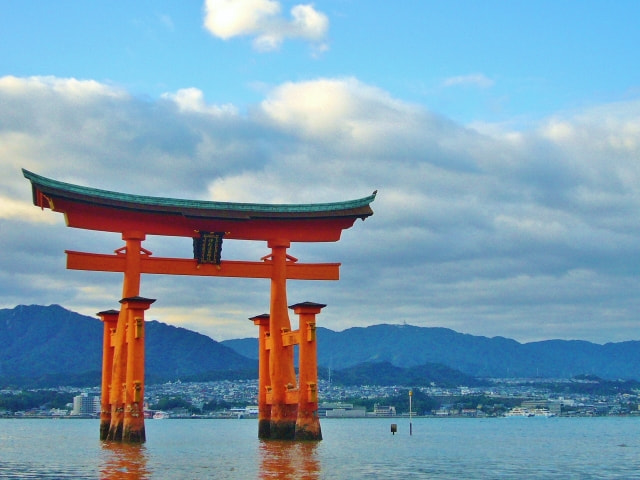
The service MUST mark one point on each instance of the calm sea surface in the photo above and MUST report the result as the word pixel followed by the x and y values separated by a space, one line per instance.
pixel 500 448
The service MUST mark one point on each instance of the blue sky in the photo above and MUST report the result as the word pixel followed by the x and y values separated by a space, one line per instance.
pixel 468 60
pixel 503 138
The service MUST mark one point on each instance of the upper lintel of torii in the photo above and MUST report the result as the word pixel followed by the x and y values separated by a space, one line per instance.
pixel 103 210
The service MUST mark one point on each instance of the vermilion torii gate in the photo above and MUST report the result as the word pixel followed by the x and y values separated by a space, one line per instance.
pixel 287 407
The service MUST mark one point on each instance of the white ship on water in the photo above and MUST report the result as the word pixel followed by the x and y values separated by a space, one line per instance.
pixel 525 412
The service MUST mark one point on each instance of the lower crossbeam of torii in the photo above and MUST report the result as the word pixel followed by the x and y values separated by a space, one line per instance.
pixel 287 405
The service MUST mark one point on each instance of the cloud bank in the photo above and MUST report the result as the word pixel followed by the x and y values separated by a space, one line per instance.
pixel 526 234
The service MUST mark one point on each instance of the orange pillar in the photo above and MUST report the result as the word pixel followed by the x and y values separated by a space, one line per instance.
pixel 110 320
pixel 133 425
pixel 130 288
pixel 308 423
pixel 281 371
pixel 264 409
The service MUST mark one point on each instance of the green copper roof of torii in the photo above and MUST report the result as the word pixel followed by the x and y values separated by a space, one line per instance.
pixel 82 193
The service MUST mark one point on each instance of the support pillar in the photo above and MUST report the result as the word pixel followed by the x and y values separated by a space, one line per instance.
pixel 133 425
pixel 119 365
pixel 130 288
pixel 109 320
pixel 264 409
pixel 308 423
pixel 281 369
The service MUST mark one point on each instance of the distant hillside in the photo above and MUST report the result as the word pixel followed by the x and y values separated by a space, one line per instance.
pixel 384 373
pixel 498 357
pixel 49 346
pixel 44 346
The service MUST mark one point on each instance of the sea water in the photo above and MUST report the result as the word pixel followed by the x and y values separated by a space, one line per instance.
pixel 492 448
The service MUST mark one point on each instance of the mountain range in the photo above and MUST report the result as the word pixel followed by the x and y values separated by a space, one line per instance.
pixel 497 357
pixel 50 345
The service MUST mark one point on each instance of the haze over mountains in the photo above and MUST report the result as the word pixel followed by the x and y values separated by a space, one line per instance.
pixel 41 346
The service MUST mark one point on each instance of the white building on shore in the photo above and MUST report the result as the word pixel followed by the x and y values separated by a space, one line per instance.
pixel 85 404
pixel 340 410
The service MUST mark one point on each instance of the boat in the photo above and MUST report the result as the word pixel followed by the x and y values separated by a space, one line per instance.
pixel 519 412
pixel 525 412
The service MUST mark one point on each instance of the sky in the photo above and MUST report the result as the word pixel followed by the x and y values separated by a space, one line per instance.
pixel 503 139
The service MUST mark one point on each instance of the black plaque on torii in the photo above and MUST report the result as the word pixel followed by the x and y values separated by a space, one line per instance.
pixel 207 248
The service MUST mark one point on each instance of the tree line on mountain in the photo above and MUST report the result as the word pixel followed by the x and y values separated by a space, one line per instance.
pixel 29 399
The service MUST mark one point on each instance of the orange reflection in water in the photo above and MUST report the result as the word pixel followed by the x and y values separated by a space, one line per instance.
pixel 122 461
pixel 289 460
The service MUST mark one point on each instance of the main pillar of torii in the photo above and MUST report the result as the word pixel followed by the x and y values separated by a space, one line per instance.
pixel 208 224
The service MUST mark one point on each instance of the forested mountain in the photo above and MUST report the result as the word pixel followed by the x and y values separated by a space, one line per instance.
pixel 497 357
pixel 54 346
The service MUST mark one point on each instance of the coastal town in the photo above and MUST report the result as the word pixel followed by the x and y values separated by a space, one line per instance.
pixel 237 399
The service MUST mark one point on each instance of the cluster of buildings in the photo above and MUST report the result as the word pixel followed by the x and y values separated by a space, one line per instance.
pixel 502 398
pixel 84 405
pixel 337 401
pixel 199 393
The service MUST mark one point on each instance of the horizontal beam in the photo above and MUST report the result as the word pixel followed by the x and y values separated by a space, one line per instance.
pixel 185 266
pixel 291 338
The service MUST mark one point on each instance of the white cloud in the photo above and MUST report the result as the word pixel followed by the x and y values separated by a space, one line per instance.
pixel 262 20
pixel 71 88
pixel 343 108
pixel 14 209
pixel 230 18
pixel 308 23
pixel 192 100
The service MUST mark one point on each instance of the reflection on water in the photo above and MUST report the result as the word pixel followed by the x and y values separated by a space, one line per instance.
pixel 122 461
pixel 289 460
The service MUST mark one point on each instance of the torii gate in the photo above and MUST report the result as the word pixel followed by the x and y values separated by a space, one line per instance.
pixel 287 409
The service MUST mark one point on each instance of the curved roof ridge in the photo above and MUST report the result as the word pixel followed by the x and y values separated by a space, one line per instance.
pixel 45 183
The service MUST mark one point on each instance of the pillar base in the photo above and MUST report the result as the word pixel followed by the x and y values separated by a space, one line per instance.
pixel 116 426
pixel 134 435
pixel 283 421
pixel 308 432
pixel 264 429
pixel 115 433
pixel 308 424
pixel 282 430
pixel 104 429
